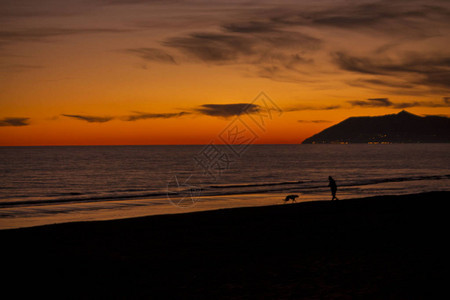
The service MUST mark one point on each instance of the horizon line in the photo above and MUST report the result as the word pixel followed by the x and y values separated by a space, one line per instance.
pixel 117 145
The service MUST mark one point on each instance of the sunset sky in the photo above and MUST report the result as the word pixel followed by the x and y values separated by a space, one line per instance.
pixel 142 72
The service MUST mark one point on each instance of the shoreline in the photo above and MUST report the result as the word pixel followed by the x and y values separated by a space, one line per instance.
pixel 60 213
pixel 276 197
pixel 134 208
pixel 376 247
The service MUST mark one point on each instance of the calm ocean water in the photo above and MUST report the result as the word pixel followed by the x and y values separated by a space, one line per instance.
pixel 54 184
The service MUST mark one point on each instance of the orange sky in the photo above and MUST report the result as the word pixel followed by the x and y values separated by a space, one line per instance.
pixel 122 72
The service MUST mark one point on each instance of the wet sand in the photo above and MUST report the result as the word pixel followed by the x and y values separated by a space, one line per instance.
pixel 389 247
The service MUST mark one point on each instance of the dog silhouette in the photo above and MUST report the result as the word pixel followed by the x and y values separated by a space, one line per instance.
pixel 290 197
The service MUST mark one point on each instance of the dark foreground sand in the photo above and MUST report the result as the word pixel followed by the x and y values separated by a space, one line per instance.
pixel 374 248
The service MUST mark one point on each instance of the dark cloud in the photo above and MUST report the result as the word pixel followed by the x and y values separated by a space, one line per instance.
pixel 439 77
pixel 446 100
pixel 227 110
pixel 277 41
pixel 290 40
pixel 410 62
pixel 142 116
pixel 312 107
pixel 394 83
pixel 357 64
pixel 403 105
pixel 55 8
pixel 251 27
pixel 373 102
pixel 90 119
pixel 382 16
pixel 44 8
pixel 215 110
pixel 213 47
pixel 420 104
pixel 385 102
pixel 414 68
pixel 43 34
pixel 14 122
pixel 134 117
pixel 247 45
pixel 269 53
pixel 153 54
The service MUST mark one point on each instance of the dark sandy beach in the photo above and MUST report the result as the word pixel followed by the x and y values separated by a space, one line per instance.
pixel 389 247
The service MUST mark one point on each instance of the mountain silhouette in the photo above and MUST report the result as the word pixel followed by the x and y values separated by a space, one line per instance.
pixel 403 127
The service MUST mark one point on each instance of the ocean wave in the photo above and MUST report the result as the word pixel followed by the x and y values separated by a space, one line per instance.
pixel 317 184
pixel 207 190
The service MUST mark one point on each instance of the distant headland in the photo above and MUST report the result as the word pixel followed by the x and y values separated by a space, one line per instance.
pixel 403 127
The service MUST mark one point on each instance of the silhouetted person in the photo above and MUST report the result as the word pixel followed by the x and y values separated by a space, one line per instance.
pixel 333 188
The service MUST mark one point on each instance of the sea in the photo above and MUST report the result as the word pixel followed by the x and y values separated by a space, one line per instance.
pixel 57 184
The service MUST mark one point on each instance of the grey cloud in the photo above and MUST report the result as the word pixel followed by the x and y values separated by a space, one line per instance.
pixel 32 8
pixel 215 110
pixel 311 107
pixel 373 102
pixel 250 27
pixel 272 54
pixel 244 47
pixel 390 83
pixel 90 119
pixel 362 15
pixel 437 77
pixel 43 34
pixel 272 38
pixel 134 117
pixel 153 54
pixel 411 63
pixel 277 39
pixel 385 102
pixel 142 116
pixel 409 104
pixel 43 8
pixel 416 69
pixel 273 34
pixel 213 47
pixel 382 16
pixel 14 122
pixel 227 110
pixel 290 40
pixel 356 64
pixel 420 104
